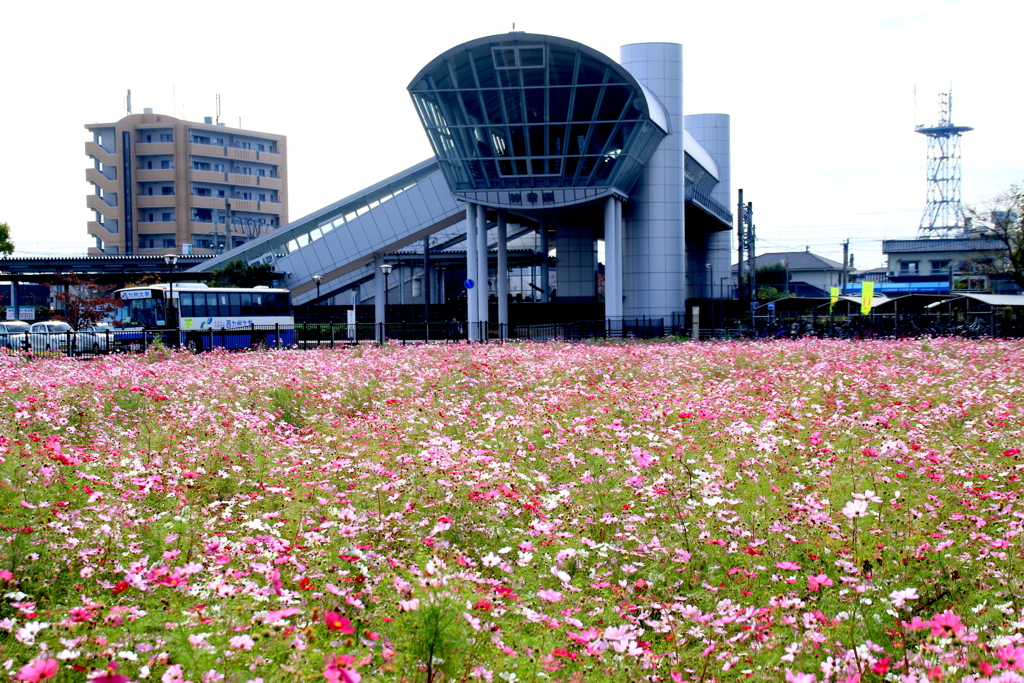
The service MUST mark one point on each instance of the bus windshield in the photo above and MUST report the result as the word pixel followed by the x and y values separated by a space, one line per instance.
pixel 143 312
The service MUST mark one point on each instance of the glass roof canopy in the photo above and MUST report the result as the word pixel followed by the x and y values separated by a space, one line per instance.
pixel 533 121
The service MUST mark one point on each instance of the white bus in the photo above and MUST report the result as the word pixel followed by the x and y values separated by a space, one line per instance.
pixel 202 317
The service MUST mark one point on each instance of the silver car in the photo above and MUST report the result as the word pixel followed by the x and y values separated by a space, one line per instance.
pixel 52 335
pixel 96 338
pixel 12 334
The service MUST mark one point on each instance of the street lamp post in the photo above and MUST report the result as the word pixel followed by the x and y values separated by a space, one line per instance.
pixel 170 260
pixel 318 279
pixel 386 269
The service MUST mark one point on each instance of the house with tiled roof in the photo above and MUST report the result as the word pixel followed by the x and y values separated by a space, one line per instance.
pixel 806 274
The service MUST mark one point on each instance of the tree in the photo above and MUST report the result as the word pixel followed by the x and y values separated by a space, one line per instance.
pixel 84 303
pixel 239 274
pixel 1002 218
pixel 6 245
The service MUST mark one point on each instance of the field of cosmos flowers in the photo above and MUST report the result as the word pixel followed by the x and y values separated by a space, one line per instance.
pixel 790 511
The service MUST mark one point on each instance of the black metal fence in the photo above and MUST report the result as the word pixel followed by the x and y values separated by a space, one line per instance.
pixel 969 323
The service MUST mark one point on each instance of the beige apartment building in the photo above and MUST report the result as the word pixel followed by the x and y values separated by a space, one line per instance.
pixel 162 185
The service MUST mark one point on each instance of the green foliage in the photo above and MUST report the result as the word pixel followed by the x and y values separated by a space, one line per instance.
pixel 1002 218
pixel 239 274
pixel 6 245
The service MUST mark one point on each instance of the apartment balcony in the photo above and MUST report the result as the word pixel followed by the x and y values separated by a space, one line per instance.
pixel 156 201
pixel 103 231
pixel 244 205
pixel 97 204
pixel 155 228
pixel 149 175
pixel 270 158
pixel 201 150
pixel 216 177
pixel 239 179
pixel 271 207
pixel 149 148
pixel 270 183
pixel 96 178
pixel 203 202
pixel 97 152
pixel 240 154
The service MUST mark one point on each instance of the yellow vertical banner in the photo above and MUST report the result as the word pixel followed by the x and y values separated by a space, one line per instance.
pixel 867 293
pixel 835 298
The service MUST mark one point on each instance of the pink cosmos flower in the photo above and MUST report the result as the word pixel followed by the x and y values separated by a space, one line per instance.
pixel 1010 657
pixel 899 598
pixel 800 677
pixel 945 625
pixel 37 670
pixel 817 582
pixel 336 622
pixel 856 508
pixel 549 595
pixel 336 670
pixel 788 566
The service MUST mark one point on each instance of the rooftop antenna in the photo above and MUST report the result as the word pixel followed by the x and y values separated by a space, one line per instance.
pixel 218 109
pixel 943 212
pixel 129 100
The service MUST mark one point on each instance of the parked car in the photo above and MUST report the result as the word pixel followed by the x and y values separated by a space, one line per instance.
pixel 52 335
pixel 97 338
pixel 12 333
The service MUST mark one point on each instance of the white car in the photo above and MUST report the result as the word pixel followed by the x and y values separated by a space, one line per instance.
pixel 12 333
pixel 52 335
pixel 97 338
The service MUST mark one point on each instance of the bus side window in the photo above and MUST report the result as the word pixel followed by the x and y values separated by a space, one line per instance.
pixel 236 304
pixel 202 310
pixel 224 305
pixel 247 304
pixel 282 304
pixel 257 305
pixel 185 303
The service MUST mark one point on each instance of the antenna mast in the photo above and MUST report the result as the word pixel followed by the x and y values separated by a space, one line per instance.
pixel 129 101
pixel 943 212
pixel 218 109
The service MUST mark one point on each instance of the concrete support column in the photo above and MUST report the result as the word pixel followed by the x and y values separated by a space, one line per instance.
pixel 613 259
pixel 482 265
pixel 472 313
pixel 427 288
pixel 654 245
pixel 501 272
pixel 545 295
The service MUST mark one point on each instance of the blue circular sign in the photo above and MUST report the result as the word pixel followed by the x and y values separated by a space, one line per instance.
pixel 469 284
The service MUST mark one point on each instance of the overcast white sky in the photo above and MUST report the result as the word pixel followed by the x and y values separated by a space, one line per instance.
pixel 821 95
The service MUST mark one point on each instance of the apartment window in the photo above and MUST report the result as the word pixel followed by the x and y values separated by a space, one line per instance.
pixel 168 216
pixel 203 192
pixel 260 148
pixel 149 217
pixel 169 243
pixel 149 191
pixel 246 145
pixel 149 164
pixel 263 197
pixel 247 196
pixel 218 141
pixel 167 164
pixel 261 172
pixel 939 267
pixel 200 166
pixel 149 138
pixel 166 137
pixel 909 267
pixel 247 171
pixel 220 193
pixel 167 191
pixel 219 168
pixel 200 139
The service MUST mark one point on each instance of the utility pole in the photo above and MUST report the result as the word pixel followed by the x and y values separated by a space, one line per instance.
pixel 846 262
pixel 741 226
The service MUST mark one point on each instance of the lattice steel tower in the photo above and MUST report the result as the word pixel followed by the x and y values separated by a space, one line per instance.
pixel 944 212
